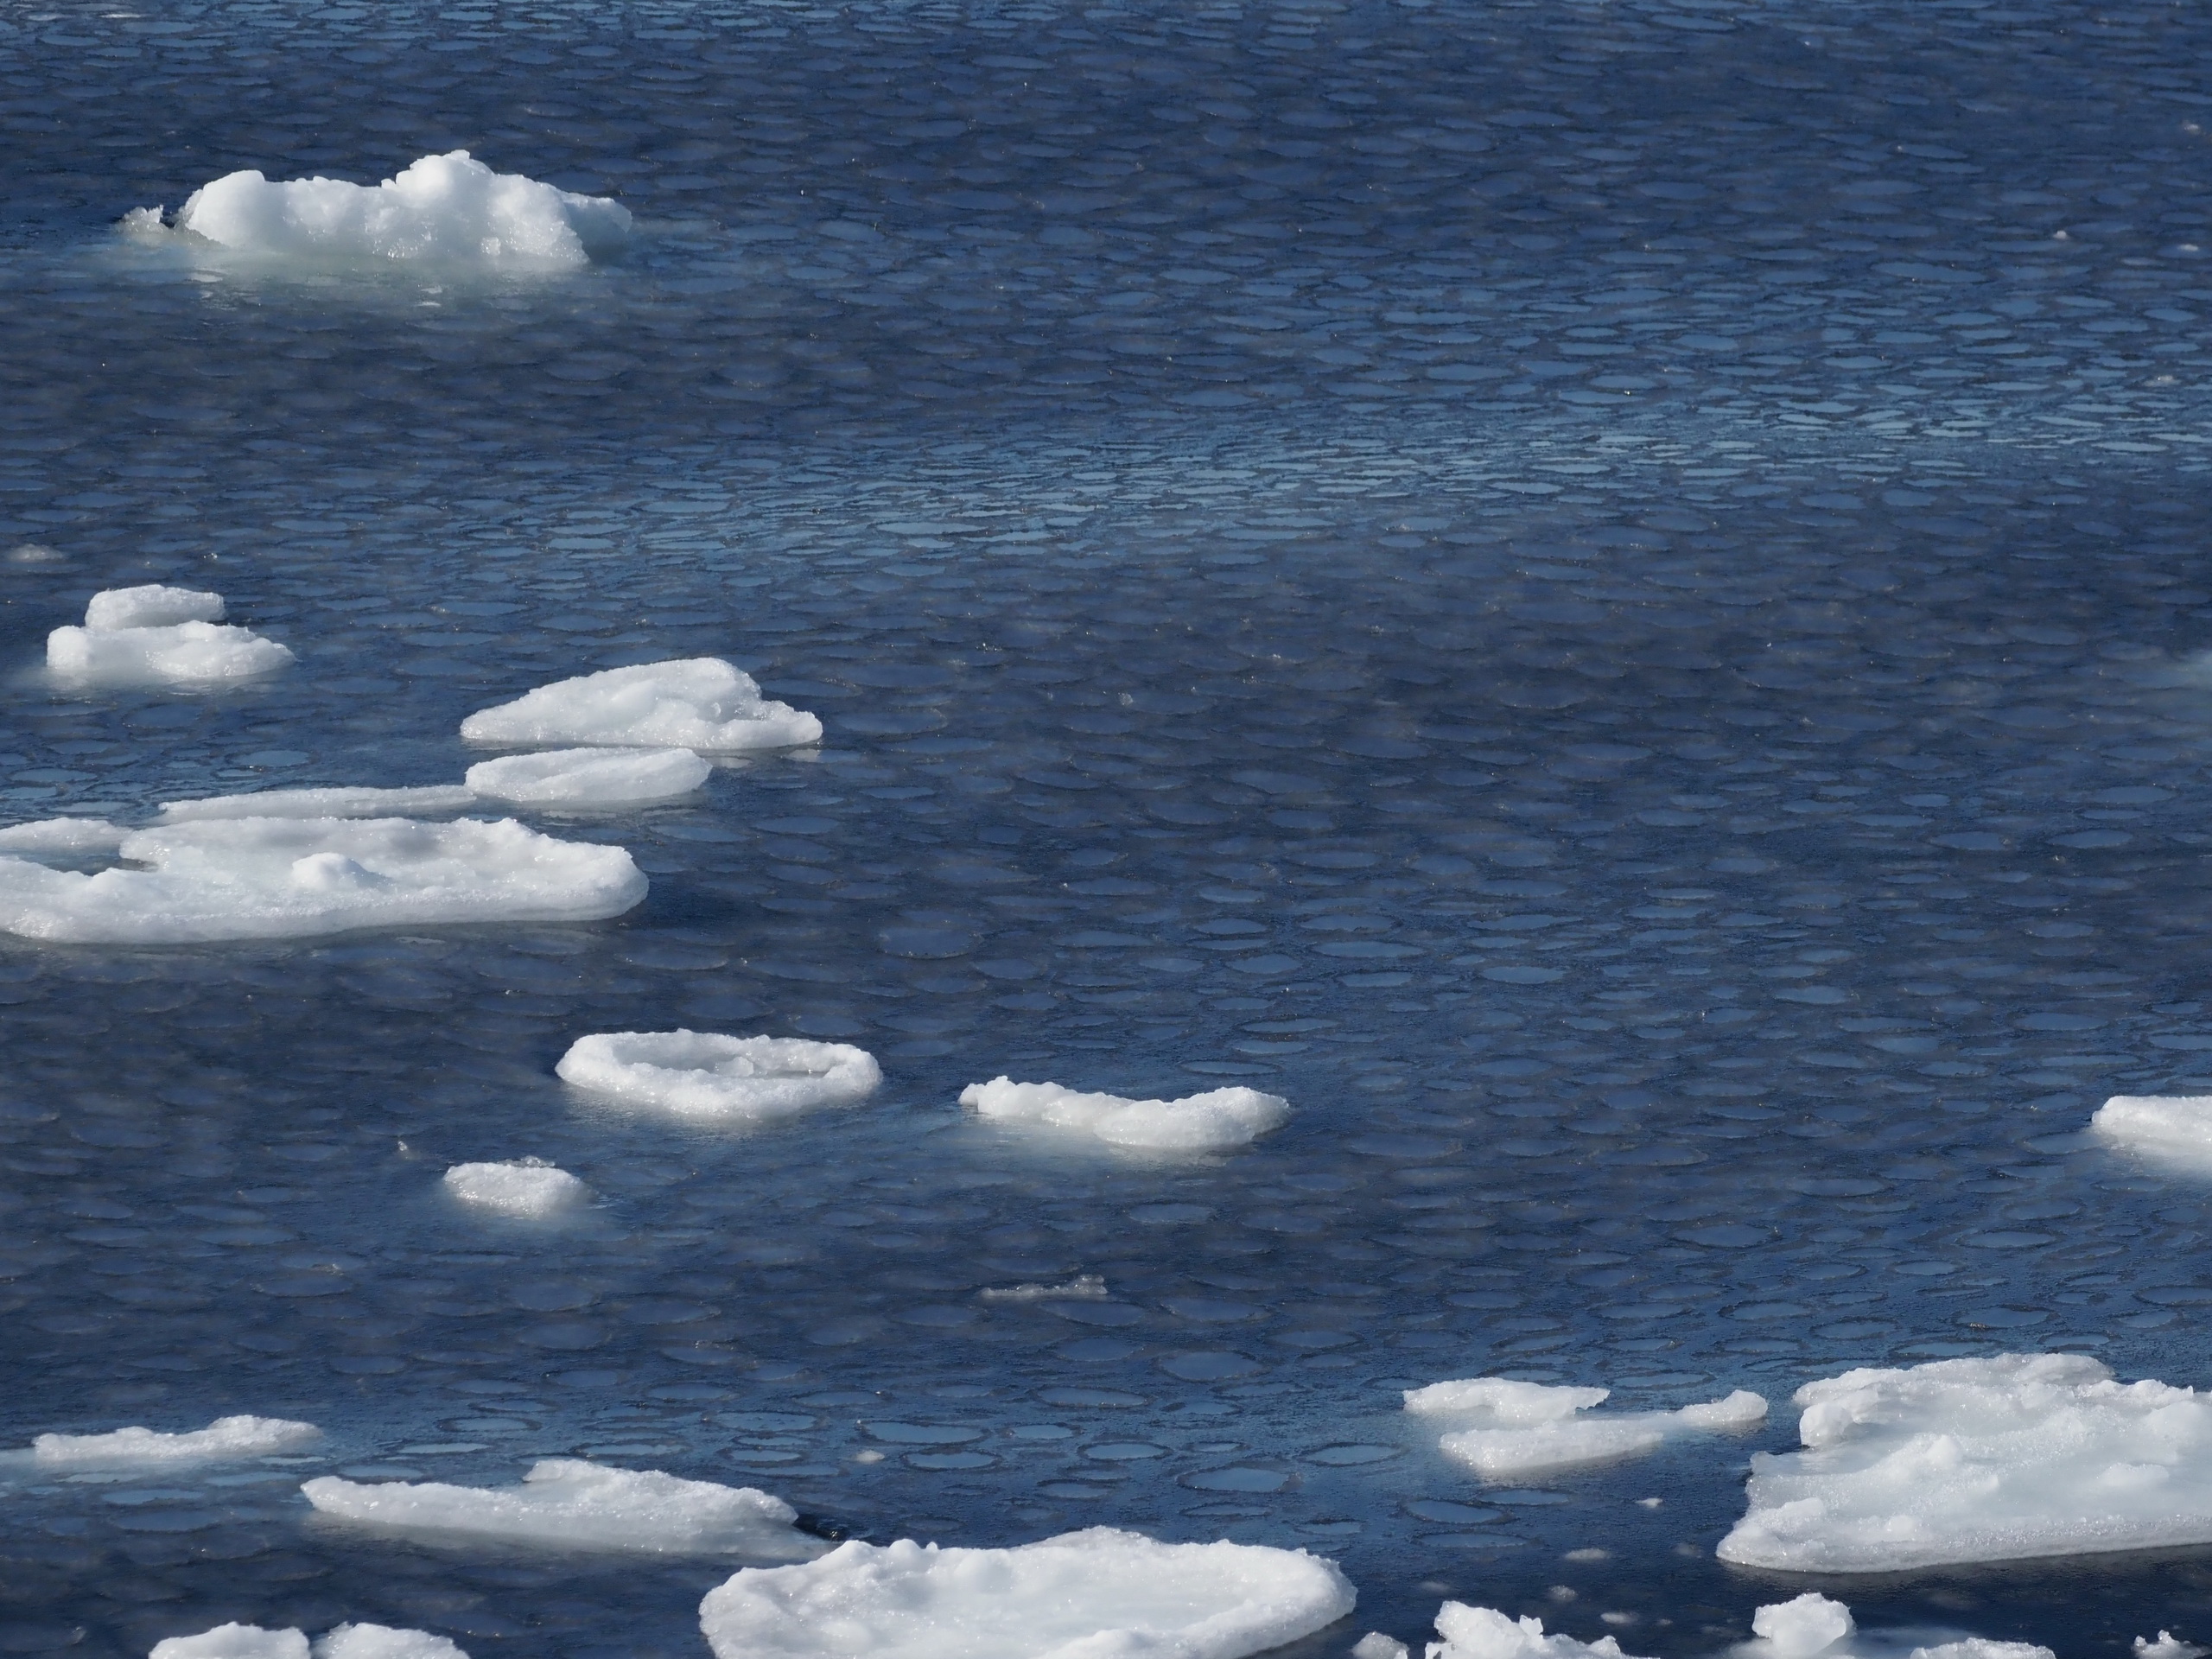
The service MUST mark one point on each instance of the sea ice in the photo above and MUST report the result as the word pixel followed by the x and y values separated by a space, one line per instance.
pixel 2174 1125
pixel 222 1441
pixel 1085 1286
pixel 705 1074
pixel 234 1641
pixel 1376 1645
pixel 589 776
pixel 345 801
pixel 382 1642
pixel 567 1501
pixel 1098 1594
pixel 150 607
pixel 1980 1459
pixel 448 210
pixel 1799 1628
pixel 2168 1646
pixel 528 1188
pixel 283 878
pixel 698 702
pixel 1518 1427
pixel 154 635
pixel 1982 1647
pixel 1485 1633
pixel 1220 1117
pixel 63 836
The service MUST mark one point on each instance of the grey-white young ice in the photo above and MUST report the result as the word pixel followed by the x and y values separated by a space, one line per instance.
pixel 525 1186
pixel 706 1074
pixel 701 704
pixel 1211 1122
pixel 589 777
pixel 236 1641
pixel 1509 1427
pixel 226 1440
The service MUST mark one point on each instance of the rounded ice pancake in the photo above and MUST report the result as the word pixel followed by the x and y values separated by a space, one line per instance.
pixel 1095 1592
pixel 697 703
pixel 68 837
pixel 343 801
pixel 1514 1427
pixel 1800 1628
pixel 708 1075
pixel 234 1641
pixel 185 653
pixel 225 1440
pixel 589 776
pixel 1215 1119
pixel 2176 1126
pixel 1485 1633
pixel 526 1187
pixel 382 1642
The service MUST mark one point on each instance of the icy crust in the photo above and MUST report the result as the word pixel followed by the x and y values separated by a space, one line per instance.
pixel 63 836
pixel 529 1187
pixel 1099 1594
pixel 1518 1426
pixel 448 210
pixel 1220 1117
pixel 225 1440
pixel 286 878
pixel 1485 1633
pixel 697 703
pixel 2178 1126
pixel 589 776
pixel 705 1074
pixel 1977 1460
pixel 567 1501
pixel 347 1642
pixel 345 801
pixel 150 607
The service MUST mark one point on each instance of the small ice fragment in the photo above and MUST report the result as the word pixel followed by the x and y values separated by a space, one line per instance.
pixel 1218 1118
pixel 447 210
pixel 1505 1402
pixel 382 1642
pixel 62 836
pixel 699 703
pixel 1518 1427
pixel 225 1440
pixel 567 1501
pixel 288 878
pixel 345 801
pixel 2168 1646
pixel 2175 1125
pixel 1098 1593
pixel 1797 1630
pixel 531 1187
pixel 1485 1633
pixel 234 1641
pixel 706 1074
pixel 1376 1645
pixel 150 607
pixel 1085 1286
pixel 188 654
pixel 589 776
pixel 1982 1647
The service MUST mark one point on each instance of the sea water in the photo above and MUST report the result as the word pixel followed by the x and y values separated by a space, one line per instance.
pixel 1603 598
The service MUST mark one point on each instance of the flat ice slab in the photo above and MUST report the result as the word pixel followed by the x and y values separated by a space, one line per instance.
pixel 382 1642
pixel 2174 1126
pixel 1083 1595
pixel 1979 1461
pixel 1485 1633
pixel 450 211
pixel 225 1440
pixel 567 1501
pixel 697 703
pixel 154 635
pixel 708 1075
pixel 1218 1118
pixel 152 606
pixel 589 776
pixel 1514 1427
pixel 63 836
pixel 347 1642
pixel 287 878
pixel 344 801
pixel 526 1188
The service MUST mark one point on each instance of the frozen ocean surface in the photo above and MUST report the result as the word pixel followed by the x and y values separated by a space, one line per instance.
pixel 1607 598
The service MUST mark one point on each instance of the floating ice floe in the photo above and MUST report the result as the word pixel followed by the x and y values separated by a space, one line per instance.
pixel 347 1642
pixel 285 878
pixel 2168 1646
pixel 1516 1426
pixel 65 836
pixel 1220 1117
pixel 1376 1645
pixel 1799 1628
pixel 156 635
pixel 529 1187
pixel 706 1074
pixel 2173 1125
pixel 1485 1633
pixel 1982 1647
pixel 344 801
pixel 1980 1459
pixel 1085 1286
pixel 698 702
pixel 225 1440
pixel 450 211
pixel 567 1501
pixel 382 1642
pixel 1082 1595
pixel 589 776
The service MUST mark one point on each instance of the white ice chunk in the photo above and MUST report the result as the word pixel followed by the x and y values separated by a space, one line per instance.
pixel 2173 1125
pixel 1980 1459
pixel 448 210
pixel 1099 1594
pixel 1220 1117
pixel 188 654
pixel 234 1641
pixel 706 1074
pixel 697 703
pixel 1485 1633
pixel 589 776
pixel 345 801
pixel 531 1187
pixel 225 1440
pixel 1982 1647
pixel 2168 1646
pixel 567 1501
pixel 150 607
pixel 382 1642
pixel 1799 1628
pixel 63 836
pixel 1376 1645
pixel 1518 1427
pixel 287 878
pixel 1085 1286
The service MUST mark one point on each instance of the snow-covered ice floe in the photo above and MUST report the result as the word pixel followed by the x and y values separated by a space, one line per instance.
pixel 567 1501
pixel 1977 1460
pixel 155 635
pixel 589 776
pixel 285 878
pixel 382 1642
pixel 225 1440
pixel 347 1642
pixel 2172 1126
pixel 706 1074
pixel 697 703
pixel 1485 1633
pixel 344 801
pixel 67 836
pixel 1798 1629
pixel 1098 1594
pixel 529 1187
pixel 1220 1117
pixel 450 211
pixel 1513 1427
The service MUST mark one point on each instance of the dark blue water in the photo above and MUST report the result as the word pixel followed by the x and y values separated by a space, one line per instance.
pixel 1600 595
